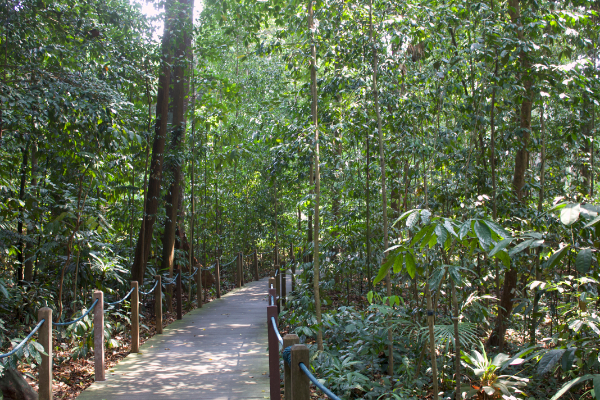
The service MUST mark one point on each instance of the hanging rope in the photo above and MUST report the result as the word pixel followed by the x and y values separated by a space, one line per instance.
pixel 122 300
pixel 316 382
pixel 13 351
pixel 279 338
pixel 151 290
pixel 78 319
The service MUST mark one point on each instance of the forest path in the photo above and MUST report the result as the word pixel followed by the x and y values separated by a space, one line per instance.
pixel 216 352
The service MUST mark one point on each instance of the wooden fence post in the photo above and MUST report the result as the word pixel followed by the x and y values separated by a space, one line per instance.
pixel 238 270
pixel 275 386
pixel 255 264
pixel 45 368
pixel 158 304
pixel 288 340
pixel 218 276
pixel 300 382
pixel 99 336
pixel 179 290
pixel 135 318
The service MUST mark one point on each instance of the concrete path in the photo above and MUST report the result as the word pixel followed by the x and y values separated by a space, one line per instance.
pixel 216 352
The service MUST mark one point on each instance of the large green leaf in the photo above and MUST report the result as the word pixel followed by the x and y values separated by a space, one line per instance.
pixel 556 257
pixel 384 269
pixel 520 247
pixel 501 245
pixel 549 360
pixel 398 263
pixel 576 381
pixel 583 261
pixel 570 214
pixel 483 234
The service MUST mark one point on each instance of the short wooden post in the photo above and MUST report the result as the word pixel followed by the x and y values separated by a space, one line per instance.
pixel 158 304
pixel 200 295
pixel 45 368
pixel 218 276
pixel 271 284
pixel 288 340
pixel 99 336
pixel 179 291
pixel 255 264
pixel 273 351
pixel 300 382
pixel 241 257
pixel 135 318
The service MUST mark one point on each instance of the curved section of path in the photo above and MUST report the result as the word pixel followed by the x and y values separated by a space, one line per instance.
pixel 216 352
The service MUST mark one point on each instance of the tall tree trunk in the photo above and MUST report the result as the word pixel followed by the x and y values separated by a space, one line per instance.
pixel 521 164
pixel 29 253
pixel 388 281
pixel 522 156
pixel 21 256
pixel 184 11
pixel 313 109
pixel 151 201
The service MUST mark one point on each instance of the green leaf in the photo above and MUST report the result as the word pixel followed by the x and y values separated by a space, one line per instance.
pixel 567 359
pixel 570 214
pixel 500 246
pixel 556 257
pixel 500 231
pixel 441 234
pixel 593 222
pixel 597 386
pixel 483 234
pixel 412 220
pixel 549 360
pixel 504 257
pixel 583 261
pixel 384 270
pixel 574 382
pixel 520 247
pixel 398 263
pixel 464 229
pixel 411 267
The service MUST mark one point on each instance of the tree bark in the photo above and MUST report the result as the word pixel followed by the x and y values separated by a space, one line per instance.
pixel 313 80
pixel 184 11
pixel 388 281
pixel 151 200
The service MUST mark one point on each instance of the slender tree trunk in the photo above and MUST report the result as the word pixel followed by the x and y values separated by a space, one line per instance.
pixel 430 323
pixel 29 254
pixel 521 164
pixel 184 12
pixel 151 200
pixel 316 259
pixel 383 183
pixel 21 256
pixel 522 156
pixel 457 394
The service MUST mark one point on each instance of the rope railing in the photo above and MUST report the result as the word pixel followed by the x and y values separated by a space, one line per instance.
pixel 279 338
pixel 172 281
pixel 277 343
pixel 151 290
pixel 316 382
pixel 194 273
pixel 122 300
pixel 77 319
pixel 230 262
pixel 24 341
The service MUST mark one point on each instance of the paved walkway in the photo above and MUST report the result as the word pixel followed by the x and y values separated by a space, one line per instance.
pixel 216 352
